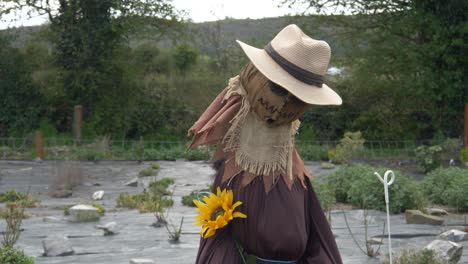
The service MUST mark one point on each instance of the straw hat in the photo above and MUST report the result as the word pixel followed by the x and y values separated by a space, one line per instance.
pixel 296 62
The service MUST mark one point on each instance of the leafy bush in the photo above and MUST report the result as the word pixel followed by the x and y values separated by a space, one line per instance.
pixel 11 255
pixel 451 148
pixel 424 256
pixel 359 186
pixel 199 153
pixel 447 186
pixel 155 166
pixel 27 200
pixel 325 194
pixel 351 144
pixel 337 155
pixel 309 151
pixel 464 155
pixel 151 200
pixel 147 172
pixel 428 157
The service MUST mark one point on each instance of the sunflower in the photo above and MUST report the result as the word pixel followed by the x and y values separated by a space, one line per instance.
pixel 216 211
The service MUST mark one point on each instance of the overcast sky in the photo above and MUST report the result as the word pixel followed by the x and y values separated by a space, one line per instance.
pixel 198 11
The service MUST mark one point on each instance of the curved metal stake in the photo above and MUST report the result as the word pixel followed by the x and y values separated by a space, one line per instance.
pixel 387 183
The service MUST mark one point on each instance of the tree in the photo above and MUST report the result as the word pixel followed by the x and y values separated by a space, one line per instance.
pixel 407 64
pixel 20 101
pixel 87 35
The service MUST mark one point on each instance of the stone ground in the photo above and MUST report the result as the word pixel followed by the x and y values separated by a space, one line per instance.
pixel 138 239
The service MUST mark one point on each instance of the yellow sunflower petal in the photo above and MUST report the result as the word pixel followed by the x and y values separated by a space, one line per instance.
pixel 239 214
pixel 210 233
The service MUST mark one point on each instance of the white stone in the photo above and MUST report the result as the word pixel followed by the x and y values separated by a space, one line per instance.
pixel 142 261
pixel 454 235
pixel 109 228
pixel 83 213
pixel 55 246
pixel 446 250
pixel 98 195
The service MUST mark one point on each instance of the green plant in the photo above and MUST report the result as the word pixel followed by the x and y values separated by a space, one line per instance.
pixel 359 186
pixel 147 172
pixel 424 256
pixel 175 233
pixel 13 216
pixel 199 153
pixel 11 255
pixel 308 151
pixel 152 200
pixel 428 157
pixel 327 165
pixel 464 155
pixel 155 166
pixel 350 145
pixel 447 186
pixel 27 200
pixel 325 194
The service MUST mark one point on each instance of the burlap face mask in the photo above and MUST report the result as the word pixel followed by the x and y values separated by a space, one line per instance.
pixel 270 102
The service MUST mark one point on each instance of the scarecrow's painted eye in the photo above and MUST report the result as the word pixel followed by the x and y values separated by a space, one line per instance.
pixel 278 90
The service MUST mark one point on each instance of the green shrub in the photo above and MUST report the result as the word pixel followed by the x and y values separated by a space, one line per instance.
pixel 27 200
pixel 337 155
pixel 424 256
pixel 359 186
pixel 464 155
pixel 312 152
pixel 11 255
pixel 151 200
pixel 451 148
pixel 447 186
pixel 199 153
pixel 325 194
pixel 327 165
pixel 147 172
pixel 155 166
pixel 350 145
pixel 428 157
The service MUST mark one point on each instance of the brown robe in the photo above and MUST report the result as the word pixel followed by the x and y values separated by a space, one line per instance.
pixel 284 218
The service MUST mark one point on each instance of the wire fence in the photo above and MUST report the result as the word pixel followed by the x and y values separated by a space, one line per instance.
pixel 107 149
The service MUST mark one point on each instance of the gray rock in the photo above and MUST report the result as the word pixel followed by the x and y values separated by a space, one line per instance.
pixel 418 217
pixel 436 211
pixel 83 213
pixel 61 193
pixel 133 182
pixel 454 235
pixel 109 228
pixel 98 195
pixel 142 261
pixel 56 246
pixel 446 250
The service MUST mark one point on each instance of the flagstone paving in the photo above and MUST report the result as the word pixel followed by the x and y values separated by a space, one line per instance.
pixel 138 239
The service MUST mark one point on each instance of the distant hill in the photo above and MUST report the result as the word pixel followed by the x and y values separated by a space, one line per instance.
pixel 256 32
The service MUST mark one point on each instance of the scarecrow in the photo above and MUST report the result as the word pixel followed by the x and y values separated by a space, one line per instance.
pixel 263 208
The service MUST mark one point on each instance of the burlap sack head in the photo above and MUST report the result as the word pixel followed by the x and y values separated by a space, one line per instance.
pixel 270 102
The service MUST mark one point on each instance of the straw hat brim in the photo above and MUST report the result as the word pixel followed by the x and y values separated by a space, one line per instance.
pixel 309 94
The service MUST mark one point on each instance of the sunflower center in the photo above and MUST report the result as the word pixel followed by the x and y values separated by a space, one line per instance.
pixel 218 211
